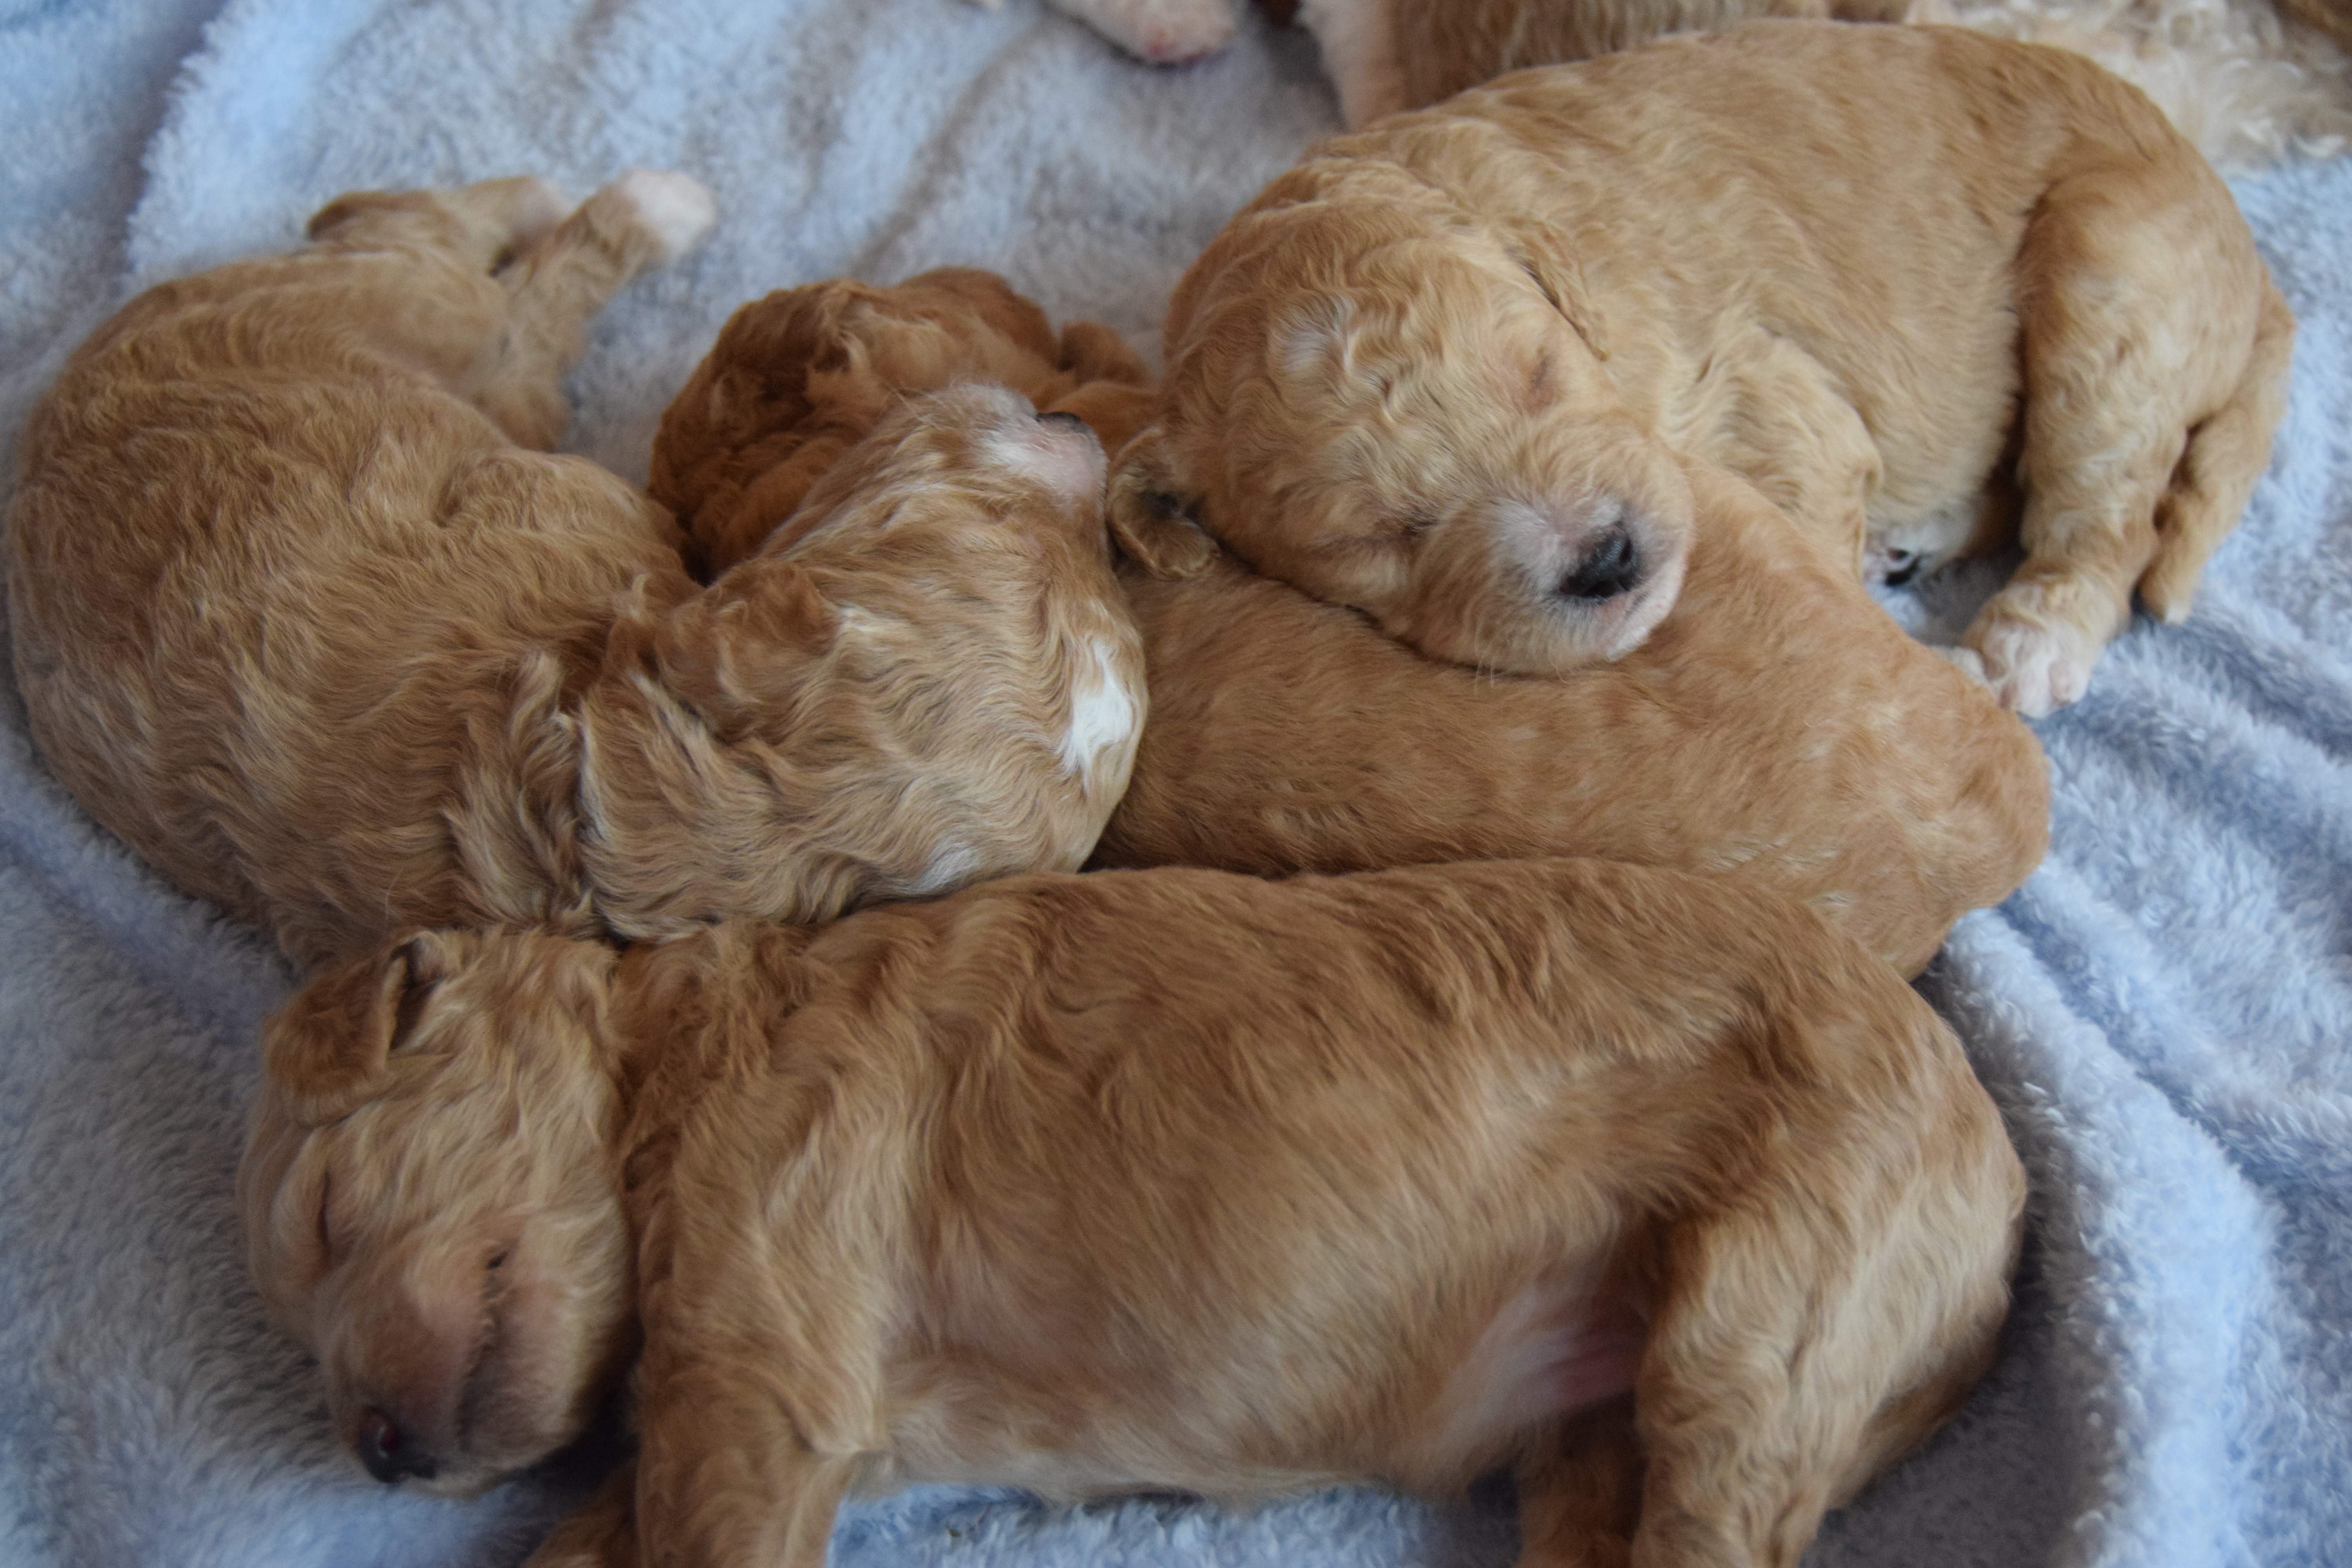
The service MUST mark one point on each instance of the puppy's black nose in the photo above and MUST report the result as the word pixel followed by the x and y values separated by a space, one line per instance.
pixel 1613 565
pixel 1062 416
pixel 388 1454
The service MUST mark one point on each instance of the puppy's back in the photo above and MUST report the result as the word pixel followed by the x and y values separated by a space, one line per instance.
pixel 274 587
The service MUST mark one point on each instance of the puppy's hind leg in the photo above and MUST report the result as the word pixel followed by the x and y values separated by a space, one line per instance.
pixel 2138 308
pixel 640 220
pixel 1838 1294
pixel 482 227
pixel 503 219
pixel 2226 454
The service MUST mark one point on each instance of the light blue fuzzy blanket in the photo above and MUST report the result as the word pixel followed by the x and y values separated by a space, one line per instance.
pixel 2164 1012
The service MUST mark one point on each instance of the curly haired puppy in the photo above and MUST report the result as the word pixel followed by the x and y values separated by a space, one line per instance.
pixel 1777 728
pixel 798 377
pixel 303 613
pixel 1439 371
pixel 1164 1179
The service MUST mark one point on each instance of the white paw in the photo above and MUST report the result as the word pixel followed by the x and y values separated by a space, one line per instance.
pixel 676 209
pixel 2033 669
pixel 1164 32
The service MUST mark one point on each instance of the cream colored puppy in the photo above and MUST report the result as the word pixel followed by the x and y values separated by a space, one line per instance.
pixel 1888 275
pixel 305 614
pixel 1167 1179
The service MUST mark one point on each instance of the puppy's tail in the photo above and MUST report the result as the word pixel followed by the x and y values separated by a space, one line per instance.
pixel 2226 454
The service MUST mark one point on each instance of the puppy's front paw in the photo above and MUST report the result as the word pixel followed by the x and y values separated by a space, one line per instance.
pixel 676 210
pixel 1163 32
pixel 2030 667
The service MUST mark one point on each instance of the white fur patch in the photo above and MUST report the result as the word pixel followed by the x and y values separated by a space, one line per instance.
pixel 953 864
pixel 675 208
pixel 1102 713
pixel 1065 460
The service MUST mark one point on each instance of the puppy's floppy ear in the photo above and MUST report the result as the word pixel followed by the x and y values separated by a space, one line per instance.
pixel 1147 511
pixel 1546 257
pixel 325 1050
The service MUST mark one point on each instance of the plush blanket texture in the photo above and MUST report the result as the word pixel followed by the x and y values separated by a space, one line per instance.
pixel 2165 1011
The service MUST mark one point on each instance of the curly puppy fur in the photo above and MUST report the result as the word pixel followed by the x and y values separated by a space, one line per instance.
pixel 1167 1179
pixel 305 614
pixel 1890 275
pixel 1778 730
pixel 797 378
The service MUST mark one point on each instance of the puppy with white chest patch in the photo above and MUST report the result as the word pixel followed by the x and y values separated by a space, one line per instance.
pixel 927 677
pixel 1777 728
pixel 305 611
pixel 1894 277
pixel 1165 1179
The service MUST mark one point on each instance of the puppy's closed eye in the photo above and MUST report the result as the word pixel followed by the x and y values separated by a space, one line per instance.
pixel 1381 532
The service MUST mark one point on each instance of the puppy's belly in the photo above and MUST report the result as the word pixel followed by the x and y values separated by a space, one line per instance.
pixel 1219 1425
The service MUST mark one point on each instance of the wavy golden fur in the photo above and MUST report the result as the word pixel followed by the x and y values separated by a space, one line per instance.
pixel 798 377
pixel 1777 728
pixel 306 614
pixel 1887 274
pixel 1168 1178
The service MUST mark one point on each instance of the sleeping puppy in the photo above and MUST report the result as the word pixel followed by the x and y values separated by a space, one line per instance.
pixel 305 614
pixel 798 377
pixel 1170 1179
pixel 1439 371
pixel 1777 728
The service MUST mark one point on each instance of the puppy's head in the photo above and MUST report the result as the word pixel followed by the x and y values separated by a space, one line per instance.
pixel 798 377
pixel 430 1200
pixel 979 633
pixel 1405 411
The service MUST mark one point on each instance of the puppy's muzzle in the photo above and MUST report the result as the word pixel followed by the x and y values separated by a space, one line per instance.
pixel 1613 565
pixel 390 1453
